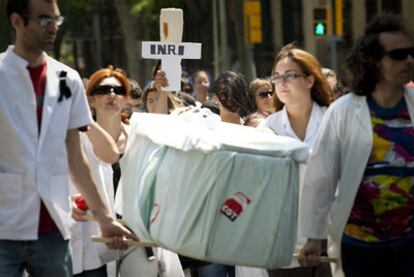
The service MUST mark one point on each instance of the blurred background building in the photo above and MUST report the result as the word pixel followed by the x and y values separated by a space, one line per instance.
pixel 242 35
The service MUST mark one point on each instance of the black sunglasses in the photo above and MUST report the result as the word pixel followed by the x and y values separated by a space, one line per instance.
pixel 400 54
pixel 265 94
pixel 104 90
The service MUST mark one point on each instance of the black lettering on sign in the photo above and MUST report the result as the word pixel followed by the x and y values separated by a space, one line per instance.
pixel 166 49
pixel 162 49
pixel 171 49
pixel 180 50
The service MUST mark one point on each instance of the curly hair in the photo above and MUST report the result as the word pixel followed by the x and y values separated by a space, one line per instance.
pixel 98 76
pixel 321 92
pixel 361 71
pixel 231 89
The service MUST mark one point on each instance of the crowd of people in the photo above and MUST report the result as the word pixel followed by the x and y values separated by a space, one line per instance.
pixel 62 139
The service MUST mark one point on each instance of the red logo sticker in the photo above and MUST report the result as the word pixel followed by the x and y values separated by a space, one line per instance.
pixel 235 205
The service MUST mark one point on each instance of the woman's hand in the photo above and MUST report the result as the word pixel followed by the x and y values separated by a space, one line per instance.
pixel 160 80
pixel 310 253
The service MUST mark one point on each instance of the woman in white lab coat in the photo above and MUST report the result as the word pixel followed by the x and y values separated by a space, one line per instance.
pixel 301 99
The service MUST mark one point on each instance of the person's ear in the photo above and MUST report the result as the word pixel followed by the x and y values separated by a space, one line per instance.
pixel 310 81
pixel 91 101
pixel 16 21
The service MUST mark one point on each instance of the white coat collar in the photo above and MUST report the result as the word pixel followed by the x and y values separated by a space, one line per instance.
pixel 13 58
pixel 314 121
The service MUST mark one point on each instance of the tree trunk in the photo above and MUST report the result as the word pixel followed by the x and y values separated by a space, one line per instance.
pixel 130 42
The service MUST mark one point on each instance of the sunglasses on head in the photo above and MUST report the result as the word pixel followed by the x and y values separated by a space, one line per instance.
pixel 265 94
pixel 104 90
pixel 400 54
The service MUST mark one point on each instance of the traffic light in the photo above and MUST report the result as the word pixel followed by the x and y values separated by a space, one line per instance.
pixel 321 21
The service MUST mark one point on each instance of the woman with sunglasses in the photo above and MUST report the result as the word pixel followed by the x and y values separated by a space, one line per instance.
pixel 107 90
pixel 302 97
pixel 260 93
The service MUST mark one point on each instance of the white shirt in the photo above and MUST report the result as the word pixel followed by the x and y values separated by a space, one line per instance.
pixel 33 166
pixel 279 122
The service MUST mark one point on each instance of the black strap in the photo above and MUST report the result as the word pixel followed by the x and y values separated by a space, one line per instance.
pixel 64 89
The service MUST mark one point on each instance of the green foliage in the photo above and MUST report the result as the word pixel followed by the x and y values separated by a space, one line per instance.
pixel 148 11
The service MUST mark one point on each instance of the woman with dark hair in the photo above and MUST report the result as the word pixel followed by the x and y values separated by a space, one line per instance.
pixel 358 188
pixel 201 86
pixel 159 102
pixel 261 95
pixel 230 90
pixel 301 99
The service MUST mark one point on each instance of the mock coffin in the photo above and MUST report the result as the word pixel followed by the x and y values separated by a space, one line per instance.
pixel 211 190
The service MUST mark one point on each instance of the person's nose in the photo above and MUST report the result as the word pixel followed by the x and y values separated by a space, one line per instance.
pixel 53 27
pixel 410 58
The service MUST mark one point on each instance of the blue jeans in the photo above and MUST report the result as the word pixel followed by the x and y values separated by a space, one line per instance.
pixel 216 270
pixel 47 256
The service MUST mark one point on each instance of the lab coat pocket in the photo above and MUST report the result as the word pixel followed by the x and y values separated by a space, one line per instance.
pixel 10 195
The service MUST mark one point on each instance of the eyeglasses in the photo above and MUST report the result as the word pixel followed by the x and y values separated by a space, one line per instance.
pixel 400 54
pixel 45 20
pixel 265 94
pixel 286 77
pixel 104 90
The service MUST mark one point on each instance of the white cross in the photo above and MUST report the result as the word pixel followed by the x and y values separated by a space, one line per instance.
pixel 170 50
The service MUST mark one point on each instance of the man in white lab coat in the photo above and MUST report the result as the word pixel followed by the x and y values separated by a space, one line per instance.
pixel 42 107
pixel 359 184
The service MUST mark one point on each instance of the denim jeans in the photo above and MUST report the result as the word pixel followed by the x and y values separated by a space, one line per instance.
pixel 216 270
pixel 47 256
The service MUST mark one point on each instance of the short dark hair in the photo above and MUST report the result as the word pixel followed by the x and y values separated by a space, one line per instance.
pixel 17 6
pixel 20 7
pixel 361 72
pixel 231 89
